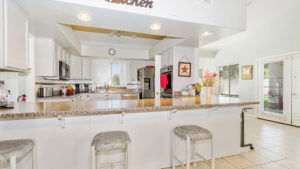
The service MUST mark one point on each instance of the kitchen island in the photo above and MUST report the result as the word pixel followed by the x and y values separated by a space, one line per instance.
pixel 63 131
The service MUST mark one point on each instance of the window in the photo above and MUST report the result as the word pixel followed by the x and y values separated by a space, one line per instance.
pixel 229 80
pixel 112 73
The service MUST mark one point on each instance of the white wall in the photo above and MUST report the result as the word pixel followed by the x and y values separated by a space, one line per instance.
pixel 15 82
pixel 102 70
pixel 137 64
pixel 275 37
pixel 102 51
pixel 178 53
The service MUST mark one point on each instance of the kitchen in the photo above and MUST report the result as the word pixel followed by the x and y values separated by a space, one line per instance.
pixel 75 75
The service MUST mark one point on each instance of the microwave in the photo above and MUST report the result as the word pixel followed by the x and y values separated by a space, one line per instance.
pixel 64 70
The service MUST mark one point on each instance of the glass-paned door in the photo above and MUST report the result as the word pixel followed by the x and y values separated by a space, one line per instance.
pixel 296 90
pixel 274 89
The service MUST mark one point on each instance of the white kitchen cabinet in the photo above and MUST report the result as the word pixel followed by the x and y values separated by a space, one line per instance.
pixel 86 68
pixel 13 36
pixel 75 67
pixel 167 57
pixel 47 54
pixel 65 56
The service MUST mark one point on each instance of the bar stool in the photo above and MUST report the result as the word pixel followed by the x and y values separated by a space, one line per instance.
pixel 13 151
pixel 110 141
pixel 191 134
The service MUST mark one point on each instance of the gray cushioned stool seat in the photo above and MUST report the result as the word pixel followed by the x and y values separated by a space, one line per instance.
pixel 18 148
pixel 194 132
pixel 111 140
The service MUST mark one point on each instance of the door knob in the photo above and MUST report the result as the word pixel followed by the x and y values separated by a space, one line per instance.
pixel 294 94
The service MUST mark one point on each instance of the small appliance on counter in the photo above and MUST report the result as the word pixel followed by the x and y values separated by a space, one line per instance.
pixel 77 88
pixel 5 98
pixel 86 88
pixel 45 92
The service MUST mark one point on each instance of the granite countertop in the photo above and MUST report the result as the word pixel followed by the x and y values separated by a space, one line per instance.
pixel 85 108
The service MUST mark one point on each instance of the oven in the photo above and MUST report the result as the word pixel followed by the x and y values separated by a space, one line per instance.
pixel 167 92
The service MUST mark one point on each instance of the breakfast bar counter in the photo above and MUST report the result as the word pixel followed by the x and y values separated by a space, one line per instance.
pixel 63 132
pixel 87 108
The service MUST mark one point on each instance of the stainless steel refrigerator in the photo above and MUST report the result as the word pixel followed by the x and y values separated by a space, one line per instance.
pixel 148 84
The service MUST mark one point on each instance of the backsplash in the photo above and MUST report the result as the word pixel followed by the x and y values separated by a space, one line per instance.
pixel 15 82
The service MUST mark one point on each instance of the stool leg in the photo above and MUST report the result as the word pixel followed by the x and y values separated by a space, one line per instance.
pixel 172 149
pixel 194 155
pixel 212 154
pixel 128 156
pixel 93 157
pixel 34 157
pixel 188 152
pixel 13 162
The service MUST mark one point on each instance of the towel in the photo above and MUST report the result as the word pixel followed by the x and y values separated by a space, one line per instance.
pixel 163 81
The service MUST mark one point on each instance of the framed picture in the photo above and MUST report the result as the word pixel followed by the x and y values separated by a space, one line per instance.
pixel 247 72
pixel 184 69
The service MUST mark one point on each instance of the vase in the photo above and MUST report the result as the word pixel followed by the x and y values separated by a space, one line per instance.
pixel 197 93
pixel 208 93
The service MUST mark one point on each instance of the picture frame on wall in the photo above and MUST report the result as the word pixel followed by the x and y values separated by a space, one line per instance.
pixel 247 72
pixel 184 69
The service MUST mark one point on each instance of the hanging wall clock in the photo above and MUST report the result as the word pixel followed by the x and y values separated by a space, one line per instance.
pixel 111 51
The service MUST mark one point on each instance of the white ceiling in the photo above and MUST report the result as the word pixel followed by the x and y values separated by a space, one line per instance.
pixel 258 13
pixel 44 14
pixel 108 40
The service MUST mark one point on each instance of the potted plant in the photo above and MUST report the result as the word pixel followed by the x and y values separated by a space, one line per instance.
pixel 197 87
pixel 208 82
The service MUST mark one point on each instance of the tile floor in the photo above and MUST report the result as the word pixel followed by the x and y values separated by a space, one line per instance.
pixel 277 146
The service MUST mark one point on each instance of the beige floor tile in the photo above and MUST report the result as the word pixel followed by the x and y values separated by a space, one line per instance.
pixel 255 167
pixel 255 158
pixel 270 155
pixel 272 166
pixel 289 164
pixel 223 164
pixel 239 162
pixel 295 158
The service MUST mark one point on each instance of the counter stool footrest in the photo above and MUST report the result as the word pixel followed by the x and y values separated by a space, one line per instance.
pixel 179 161
pixel 205 160
pixel 118 163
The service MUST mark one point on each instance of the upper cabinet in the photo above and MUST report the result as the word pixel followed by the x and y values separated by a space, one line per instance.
pixel 86 68
pixel 13 36
pixel 75 67
pixel 47 54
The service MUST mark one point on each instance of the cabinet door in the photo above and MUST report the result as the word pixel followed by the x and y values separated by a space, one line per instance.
pixel 45 57
pixel 296 90
pixel 75 63
pixel 56 57
pixel 16 36
pixel 86 68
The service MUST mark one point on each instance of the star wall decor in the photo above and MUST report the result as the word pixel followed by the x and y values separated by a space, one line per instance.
pixel 184 69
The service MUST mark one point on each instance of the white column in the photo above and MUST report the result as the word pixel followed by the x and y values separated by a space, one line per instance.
pixel 157 76
pixel 30 87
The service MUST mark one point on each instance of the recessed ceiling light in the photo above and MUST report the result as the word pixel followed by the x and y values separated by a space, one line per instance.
pixel 207 34
pixel 84 16
pixel 155 26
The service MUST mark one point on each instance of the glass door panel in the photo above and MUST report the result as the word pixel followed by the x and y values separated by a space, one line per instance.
pixel 273 87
